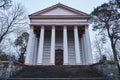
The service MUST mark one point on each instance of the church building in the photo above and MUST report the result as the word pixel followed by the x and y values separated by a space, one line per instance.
pixel 59 36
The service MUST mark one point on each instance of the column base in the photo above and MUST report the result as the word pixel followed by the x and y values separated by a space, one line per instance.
pixel 27 63
pixel 78 63
pixel 65 63
pixel 39 63
pixel 52 63
pixel 89 63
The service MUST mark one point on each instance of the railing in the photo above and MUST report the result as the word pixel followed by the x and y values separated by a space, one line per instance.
pixel 108 68
pixel 8 68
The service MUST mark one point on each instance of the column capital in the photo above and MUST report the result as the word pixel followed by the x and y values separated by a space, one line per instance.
pixel 42 26
pixel 75 26
pixel 53 26
pixel 64 25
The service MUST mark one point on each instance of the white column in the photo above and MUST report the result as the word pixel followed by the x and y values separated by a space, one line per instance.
pixel 37 45
pixel 77 47
pixel 82 51
pixel 35 51
pixel 32 50
pixel 52 51
pixel 85 49
pixel 41 43
pixel 29 47
pixel 65 45
pixel 90 59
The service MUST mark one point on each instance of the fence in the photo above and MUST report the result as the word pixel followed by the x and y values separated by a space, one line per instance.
pixel 108 68
pixel 8 68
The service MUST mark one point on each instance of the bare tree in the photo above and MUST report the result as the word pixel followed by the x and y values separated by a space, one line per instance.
pixel 98 47
pixel 11 19
pixel 5 3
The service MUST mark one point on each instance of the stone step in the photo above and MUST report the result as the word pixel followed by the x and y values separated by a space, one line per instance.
pixel 95 78
pixel 65 72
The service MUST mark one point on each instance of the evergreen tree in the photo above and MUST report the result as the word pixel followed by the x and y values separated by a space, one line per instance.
pixel 21 43
pixel 106 19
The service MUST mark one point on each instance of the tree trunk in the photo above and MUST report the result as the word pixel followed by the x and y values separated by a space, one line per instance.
pixel 1 39
pixel 115 54
pixel 21 58
pixel 113 47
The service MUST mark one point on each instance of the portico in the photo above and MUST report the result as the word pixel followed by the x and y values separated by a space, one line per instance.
pixel 59 36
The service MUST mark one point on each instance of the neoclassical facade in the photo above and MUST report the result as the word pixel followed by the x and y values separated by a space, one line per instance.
pixel 59 36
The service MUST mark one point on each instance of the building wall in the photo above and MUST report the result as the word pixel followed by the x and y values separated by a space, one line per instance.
pixel 60 16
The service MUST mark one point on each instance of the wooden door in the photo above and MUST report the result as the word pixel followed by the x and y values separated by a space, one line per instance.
pixel 59 57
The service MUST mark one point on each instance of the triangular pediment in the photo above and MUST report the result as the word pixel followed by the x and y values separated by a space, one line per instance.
pixel 59 9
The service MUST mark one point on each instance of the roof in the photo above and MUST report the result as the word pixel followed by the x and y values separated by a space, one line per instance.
pixel 39 14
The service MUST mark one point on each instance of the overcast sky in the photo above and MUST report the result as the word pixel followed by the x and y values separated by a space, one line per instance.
pixel 83 5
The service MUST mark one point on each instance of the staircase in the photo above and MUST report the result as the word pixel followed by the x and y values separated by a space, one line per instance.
pixel 71 48
pixel 46 48
pixel 58 73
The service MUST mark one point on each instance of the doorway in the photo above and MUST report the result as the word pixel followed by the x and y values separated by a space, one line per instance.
pixel 59 57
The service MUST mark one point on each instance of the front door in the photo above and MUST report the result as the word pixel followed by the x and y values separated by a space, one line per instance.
pixel 59 57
